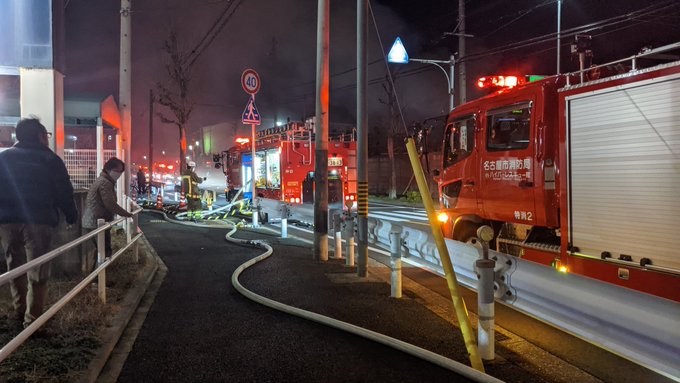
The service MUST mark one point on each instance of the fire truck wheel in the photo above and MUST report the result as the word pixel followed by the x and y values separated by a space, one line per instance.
pixel 468 233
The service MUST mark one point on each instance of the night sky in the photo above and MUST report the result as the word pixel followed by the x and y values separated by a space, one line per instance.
pixel 278 39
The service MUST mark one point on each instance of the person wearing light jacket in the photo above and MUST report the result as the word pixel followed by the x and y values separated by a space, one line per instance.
pixel 102 203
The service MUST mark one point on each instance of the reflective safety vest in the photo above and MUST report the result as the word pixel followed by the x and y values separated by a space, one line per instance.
pixel 190 186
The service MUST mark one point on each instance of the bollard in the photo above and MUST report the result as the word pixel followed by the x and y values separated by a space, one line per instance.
pixel 101 255
pixel 337 227
pixel 256 211
pixel 349 235
pixel 395 264
pixel 485 299
pixel 285 213
pixel 176 196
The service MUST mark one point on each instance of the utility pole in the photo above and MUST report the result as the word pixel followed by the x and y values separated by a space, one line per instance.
pixel 559 32
pixel 125 89
pixel 150 144
pixel 461 52
pixel 362 137
pixel 321 125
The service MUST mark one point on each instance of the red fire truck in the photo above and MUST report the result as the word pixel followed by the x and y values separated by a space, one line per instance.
pixel 284 165
pixel 581 173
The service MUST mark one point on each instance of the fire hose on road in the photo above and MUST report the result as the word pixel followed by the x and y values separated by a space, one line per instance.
pixel 408 348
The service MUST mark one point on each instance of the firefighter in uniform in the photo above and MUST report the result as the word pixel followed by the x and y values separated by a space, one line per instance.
pixel 190 183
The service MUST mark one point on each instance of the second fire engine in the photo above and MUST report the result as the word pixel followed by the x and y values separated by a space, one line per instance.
pixel 284 165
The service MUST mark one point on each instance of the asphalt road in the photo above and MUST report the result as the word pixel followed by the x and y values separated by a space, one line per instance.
pixel 199 329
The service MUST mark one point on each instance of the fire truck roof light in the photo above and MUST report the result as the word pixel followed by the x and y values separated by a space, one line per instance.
pixel 499 81
pixel 242 140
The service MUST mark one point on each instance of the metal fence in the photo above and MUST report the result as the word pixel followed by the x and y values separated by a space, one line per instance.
pixel 82 165
pixel 133 234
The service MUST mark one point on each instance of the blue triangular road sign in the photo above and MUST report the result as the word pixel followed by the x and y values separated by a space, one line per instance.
pixel 250 114
pixel 398 53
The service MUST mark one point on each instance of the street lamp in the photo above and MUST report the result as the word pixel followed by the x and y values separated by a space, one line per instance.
pixel 74 139
pixel 398 55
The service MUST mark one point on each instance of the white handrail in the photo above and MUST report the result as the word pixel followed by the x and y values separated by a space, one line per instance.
pixel 17 341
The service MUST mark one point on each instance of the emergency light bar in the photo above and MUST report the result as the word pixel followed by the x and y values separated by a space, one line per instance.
pixel 492 82
pixel 242 140
pixel 499 82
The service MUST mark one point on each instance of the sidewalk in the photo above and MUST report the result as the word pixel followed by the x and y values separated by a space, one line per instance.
pixel 200 329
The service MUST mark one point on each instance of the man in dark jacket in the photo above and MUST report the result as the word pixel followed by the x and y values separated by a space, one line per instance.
pixel 141 181
pixel 34 186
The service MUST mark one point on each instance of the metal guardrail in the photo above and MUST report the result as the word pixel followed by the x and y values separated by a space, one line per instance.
pixel 131 226
pixel 637 326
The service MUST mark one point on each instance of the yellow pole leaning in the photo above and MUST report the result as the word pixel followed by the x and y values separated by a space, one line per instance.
pixel 458 302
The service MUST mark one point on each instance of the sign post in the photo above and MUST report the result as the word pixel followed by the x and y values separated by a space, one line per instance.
pixel 250 81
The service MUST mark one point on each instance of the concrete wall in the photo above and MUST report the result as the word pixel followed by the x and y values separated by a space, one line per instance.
pixel 380 168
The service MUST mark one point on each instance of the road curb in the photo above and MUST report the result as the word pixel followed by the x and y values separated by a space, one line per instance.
pixel 120 321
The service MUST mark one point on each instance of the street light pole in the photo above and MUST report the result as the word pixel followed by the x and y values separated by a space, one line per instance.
pixel 559 32
pixel 398 55
pixel 449 79
pixel 148 189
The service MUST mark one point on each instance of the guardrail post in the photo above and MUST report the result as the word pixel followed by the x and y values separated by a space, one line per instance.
pixel 349 236
pixel 128 222
pixel 485 300
pixel 101 255
pixel 133 231
pixel 395 264
pixel 337 227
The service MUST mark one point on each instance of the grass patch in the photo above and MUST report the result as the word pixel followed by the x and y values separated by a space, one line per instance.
pixel 63 348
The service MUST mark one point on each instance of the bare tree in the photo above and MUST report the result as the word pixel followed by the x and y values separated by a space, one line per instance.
pixel 393 123
pixel 175 95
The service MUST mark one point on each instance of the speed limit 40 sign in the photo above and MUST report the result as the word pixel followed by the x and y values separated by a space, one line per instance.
pixel 250 81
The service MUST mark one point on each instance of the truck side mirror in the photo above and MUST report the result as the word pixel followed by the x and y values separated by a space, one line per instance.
pixel 435 175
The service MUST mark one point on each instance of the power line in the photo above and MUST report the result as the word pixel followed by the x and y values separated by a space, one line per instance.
pixel 210 36
pixel 311 82
pixel 521 14
pixel 574 31
pixel 649 10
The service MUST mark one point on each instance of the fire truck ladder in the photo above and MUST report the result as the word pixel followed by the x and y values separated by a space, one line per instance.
pixel 302 135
